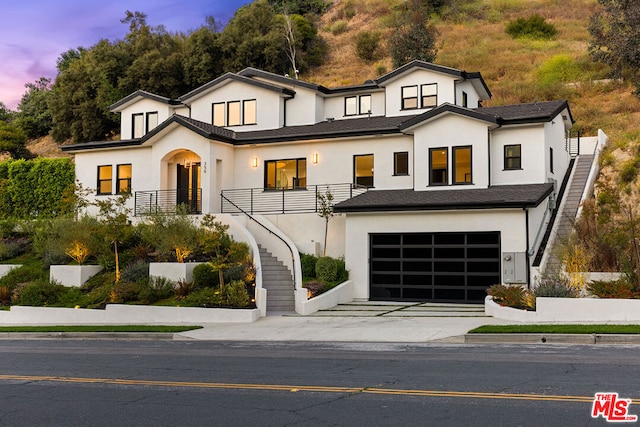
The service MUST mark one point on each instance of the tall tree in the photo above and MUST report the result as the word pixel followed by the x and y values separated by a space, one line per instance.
pixel 413 37
pixel 615 32
pixel 202 58
pixel 13 140
pixel 34 116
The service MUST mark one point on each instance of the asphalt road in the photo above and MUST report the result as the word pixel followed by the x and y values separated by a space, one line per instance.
pixel 98 382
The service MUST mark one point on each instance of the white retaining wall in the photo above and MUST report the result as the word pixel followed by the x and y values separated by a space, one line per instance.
pixel 341 294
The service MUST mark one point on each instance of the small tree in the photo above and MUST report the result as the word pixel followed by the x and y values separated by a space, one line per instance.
pixel 114 215
pixel 325 210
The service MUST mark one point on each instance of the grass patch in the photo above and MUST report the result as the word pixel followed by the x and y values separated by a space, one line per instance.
pixel 557 329
pixel 100 328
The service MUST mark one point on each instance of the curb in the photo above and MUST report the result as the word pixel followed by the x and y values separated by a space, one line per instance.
pixel 551 339
pixel 88 335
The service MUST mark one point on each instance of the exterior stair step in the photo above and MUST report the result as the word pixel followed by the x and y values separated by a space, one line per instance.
pixel 278 281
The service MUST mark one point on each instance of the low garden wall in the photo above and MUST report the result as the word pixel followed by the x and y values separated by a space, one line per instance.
pixel 569 310
pixel 118 314
pixel 341 294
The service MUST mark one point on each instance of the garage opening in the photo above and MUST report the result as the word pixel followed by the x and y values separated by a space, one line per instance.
pixel 445 267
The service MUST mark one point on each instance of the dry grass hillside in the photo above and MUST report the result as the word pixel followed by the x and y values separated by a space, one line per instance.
pixel 473 38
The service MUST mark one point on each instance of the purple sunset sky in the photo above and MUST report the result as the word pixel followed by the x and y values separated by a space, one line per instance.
pixel 33 33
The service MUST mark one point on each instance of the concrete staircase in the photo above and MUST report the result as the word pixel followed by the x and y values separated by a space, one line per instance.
pixel 572 201
pixel 278 281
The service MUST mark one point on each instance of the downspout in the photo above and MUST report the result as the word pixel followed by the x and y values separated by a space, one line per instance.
pixel 489 157
pixel 526 221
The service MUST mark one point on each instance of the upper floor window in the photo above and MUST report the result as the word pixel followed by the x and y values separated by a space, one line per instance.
pixel 409 97
pixel 462 165
pixel 234 113
pixel 105 179
pixel 363 170
pixel 285 174
pixel 218 114
pixel 551 159
pixel 512 159
pixel 401 163
pixel 249 112
pixel 438 166
pixel 429 95
pixel 123 180
pixel 354 105
pixel 152 120
pixel 137 125
pixel 465 99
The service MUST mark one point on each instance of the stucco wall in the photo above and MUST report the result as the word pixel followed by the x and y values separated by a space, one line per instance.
pixel 144 105
pixel 446 90
pixel 533 154
pixel 510 223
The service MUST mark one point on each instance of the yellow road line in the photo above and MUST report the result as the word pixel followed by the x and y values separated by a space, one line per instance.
pixel 295 388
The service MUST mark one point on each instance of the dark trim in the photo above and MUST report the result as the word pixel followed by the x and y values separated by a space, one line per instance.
pixel 118 179
pixel 355 181
pixel 133 124
pixel 143 94
pixel 355 98
pixel 244 102
pixel 551 159
pixel 395 163
pixel 238 78
pixel 504 158
pixel 446 178
pixel 224 112
pixel 147 120
pixel 448 108
pixel 229 103
pixel 402 97
pixel 453 164
pixel 99 181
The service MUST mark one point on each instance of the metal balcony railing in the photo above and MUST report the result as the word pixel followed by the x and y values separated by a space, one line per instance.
pixel 167 201
pixel 280 201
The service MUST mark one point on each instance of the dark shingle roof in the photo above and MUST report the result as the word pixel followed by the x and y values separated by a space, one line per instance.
pixel 143 94
pixel 238 78
pixel 502 196
pixel 527 113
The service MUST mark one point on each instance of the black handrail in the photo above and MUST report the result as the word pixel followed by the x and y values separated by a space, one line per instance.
pixel 293 260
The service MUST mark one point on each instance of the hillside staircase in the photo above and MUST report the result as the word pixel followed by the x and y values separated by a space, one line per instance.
pixel 567 217
pixel 278 281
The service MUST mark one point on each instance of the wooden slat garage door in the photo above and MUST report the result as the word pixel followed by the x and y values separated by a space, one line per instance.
pixel 456 267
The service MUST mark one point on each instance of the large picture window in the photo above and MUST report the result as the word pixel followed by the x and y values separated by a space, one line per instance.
pixel 438 164
pixel 123 180
pixel 287 174
pixel 512 158
pixel 105 179
pixel 462 165
pixel 363 170
pixel 137 125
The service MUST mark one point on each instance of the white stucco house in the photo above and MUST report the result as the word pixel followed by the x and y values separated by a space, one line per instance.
pixel 436 196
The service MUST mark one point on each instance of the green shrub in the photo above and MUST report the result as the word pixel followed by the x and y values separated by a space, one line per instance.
pixel 557 70
pixel 628 171
pixel 207 297
pixel 337 27
pixel 534 27
pixel 509 296
pixel 367 43
pixel 341 273
pixel 41 293
pixel 621 288
pixel 234 272
pixel 183 288
pixel 308 263
pixel 135 272
pixel 11 248
pixel 235 294
pixel 555 290
pixel 154 289
pixel 205 276
pixel 24 274
pixel 326 269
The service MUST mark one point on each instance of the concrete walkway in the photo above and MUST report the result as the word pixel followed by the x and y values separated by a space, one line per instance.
pixel 358 322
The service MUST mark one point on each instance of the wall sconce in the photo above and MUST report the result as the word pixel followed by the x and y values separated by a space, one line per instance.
pixel 315 158
pixel 254 162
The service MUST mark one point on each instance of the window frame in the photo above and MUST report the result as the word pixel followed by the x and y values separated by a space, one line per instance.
pixel 432 182
pixel 119 179
pixel 244 111
pixel 465 99
pixel 104 180
pixel 396 158
pixel 405 98
pixel 224 113
pixel 355 170
pixel 134 127
pixel 551 159
pixel 507 159
pixel 147 116
pixel 346 105
pixel 228 111
pixel 301 164
pixel 423 104
pixel 360 98
pixel 454 165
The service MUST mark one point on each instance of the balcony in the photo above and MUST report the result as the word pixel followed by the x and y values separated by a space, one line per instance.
pixel 281 201
pixel 167 201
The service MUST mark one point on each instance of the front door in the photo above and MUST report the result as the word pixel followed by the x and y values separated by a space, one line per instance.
pixel 188 187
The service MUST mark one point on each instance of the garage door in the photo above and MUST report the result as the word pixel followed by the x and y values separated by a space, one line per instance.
pixel 454 267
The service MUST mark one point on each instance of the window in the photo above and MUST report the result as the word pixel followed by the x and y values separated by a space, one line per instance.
pixel 351 106
pixel 363 170
pixel 551 159
pixel 512 157
pixel 285 174
pixel 438 160
pixel 401 163
pixel 137 125
pixel 409 97
pixel 462 165
pixel 249 112
pixel 123 180
pixel 429 95
pixel 105 174
pixel 218 114
pixel 465 99
pixel 233 113
pixel 365 104
pixel 152 121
